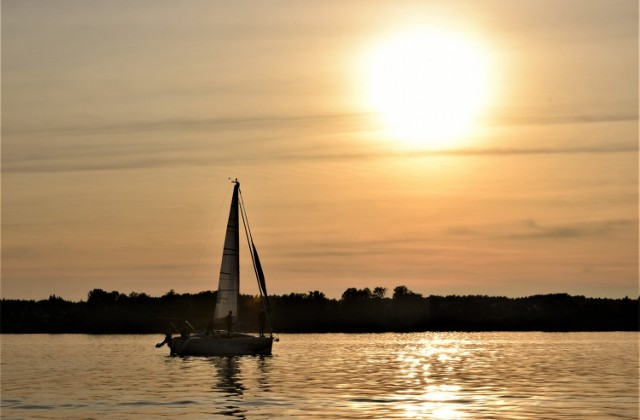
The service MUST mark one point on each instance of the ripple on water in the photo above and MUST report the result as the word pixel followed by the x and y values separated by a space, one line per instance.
pixel 427 375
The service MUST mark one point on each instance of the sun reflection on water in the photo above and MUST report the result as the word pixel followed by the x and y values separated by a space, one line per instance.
pixel 432 364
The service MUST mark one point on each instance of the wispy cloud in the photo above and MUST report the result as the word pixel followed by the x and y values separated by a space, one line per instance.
pixel 169 158
pixel 599 229
pixel 620 148
pixel 531 229
pixel 102 145
pixel 100 125
pixel 533 118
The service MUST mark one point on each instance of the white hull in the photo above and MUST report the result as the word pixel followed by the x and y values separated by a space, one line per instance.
pixel 236 345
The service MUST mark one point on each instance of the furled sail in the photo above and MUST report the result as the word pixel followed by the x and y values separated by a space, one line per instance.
pixel 229 283
pixel 260 273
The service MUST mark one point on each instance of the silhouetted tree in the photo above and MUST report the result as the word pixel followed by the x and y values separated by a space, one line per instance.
pixel 400 291
pixel 356 295
pixel 379 292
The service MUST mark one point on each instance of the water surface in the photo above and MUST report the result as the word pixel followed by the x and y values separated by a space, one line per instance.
pixel 421 375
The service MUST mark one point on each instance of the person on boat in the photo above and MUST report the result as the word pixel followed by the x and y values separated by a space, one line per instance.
pixel 262 318
pixel 210 328
pixel 167 341
pixel 229 320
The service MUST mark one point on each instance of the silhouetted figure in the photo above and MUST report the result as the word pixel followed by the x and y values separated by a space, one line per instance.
pixel 229 320
pixel 167 341
pixel 262 318
pixel 184 333
pixel 210 328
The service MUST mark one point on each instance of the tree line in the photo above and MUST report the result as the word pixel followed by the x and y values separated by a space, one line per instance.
pixel 358 310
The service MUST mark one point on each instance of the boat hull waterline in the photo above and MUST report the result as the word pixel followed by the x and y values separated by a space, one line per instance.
pixel 221 346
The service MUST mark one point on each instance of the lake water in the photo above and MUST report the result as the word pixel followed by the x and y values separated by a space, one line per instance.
pixel 333 376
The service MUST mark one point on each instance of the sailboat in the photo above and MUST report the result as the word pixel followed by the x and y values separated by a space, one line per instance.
pixel 228 342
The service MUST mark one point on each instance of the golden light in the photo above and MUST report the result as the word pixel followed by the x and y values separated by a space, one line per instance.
pixel 428 86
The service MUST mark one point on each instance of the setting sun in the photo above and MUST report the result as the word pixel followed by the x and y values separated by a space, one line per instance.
pixel 428 86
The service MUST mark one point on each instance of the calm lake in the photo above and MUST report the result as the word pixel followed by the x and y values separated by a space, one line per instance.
pixel 418 375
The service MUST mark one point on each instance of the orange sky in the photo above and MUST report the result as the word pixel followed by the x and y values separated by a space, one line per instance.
pixel 121 122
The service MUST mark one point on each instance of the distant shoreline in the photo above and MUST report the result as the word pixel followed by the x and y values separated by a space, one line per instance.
pixel 358 311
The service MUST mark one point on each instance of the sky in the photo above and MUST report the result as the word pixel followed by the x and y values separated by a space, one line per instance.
pixel 122 122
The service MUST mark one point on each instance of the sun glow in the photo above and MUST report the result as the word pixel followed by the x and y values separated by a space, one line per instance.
pixel 428 86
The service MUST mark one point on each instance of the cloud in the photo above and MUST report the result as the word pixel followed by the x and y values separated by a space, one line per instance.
pixel 474 152
pixel 512 120
pixel 180 156
pixel 462 231
pixel 18 252
pixel 99 125
pixel 599 229
pixel 531 229
pixel 100 145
